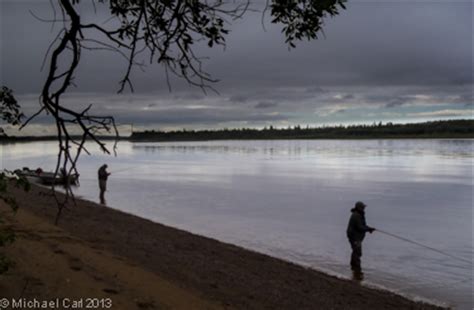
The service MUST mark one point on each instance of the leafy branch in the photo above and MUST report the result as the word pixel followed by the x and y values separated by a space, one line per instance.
pixel 10 112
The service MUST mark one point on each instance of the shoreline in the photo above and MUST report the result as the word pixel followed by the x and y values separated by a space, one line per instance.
pixel 219 274
pixel 438 129
pixel 13 140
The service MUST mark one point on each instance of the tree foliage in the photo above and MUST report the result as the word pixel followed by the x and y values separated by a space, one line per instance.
pixel 9 107
pixel 303 18
pixel 10 113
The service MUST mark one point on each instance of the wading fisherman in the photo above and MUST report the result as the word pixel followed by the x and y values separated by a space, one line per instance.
pixel 103 176
pixel 356 230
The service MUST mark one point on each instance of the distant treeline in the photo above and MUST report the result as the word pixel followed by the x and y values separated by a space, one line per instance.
pixel 435 129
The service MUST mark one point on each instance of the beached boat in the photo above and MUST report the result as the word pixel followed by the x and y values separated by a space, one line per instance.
pixel 48 178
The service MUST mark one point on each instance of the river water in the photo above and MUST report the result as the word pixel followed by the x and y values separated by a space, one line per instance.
pixel 292 199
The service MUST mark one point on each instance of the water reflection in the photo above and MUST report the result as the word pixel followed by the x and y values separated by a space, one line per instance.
pixel 194 148
pixel 338 148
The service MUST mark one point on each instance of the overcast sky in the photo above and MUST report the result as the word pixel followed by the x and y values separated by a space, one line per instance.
pixel 399 61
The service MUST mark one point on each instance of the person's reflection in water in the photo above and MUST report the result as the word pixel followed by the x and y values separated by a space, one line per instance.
pixel 356 230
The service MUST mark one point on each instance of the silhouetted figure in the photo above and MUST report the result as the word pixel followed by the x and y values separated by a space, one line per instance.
pixel 356 230
pixel 103 176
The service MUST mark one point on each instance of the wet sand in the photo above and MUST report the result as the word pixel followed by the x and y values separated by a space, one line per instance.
pixel 100 252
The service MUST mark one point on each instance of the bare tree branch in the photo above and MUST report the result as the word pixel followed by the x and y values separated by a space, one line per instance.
pixel 167 31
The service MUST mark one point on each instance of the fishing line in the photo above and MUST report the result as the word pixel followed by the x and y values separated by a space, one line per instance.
pixel 425 246
pixel 112 172
pixel 122 170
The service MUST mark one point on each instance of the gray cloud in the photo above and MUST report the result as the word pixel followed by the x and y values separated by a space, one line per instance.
pixel 396 102
pixel 383 56
pixel 265 105
pixel 315 90
pixel 189 96
pixel 199 116
pixel 238 98
pixel 443 113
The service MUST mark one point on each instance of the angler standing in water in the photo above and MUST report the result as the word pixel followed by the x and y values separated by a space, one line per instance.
pixel 356 230
pixel 103 176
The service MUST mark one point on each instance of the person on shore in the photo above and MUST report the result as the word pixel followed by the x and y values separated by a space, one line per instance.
pixel 356 230
pixel 103 176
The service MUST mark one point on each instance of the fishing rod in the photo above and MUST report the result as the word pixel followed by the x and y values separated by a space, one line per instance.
pixel 112 172
pixel 122 170
pixel 424 246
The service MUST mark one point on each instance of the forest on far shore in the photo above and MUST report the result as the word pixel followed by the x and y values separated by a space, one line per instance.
pixel 434 129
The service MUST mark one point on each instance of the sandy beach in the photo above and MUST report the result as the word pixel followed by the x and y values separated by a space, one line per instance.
pixel 98 252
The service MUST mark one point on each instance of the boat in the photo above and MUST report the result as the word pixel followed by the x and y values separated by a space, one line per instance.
pixel 47 178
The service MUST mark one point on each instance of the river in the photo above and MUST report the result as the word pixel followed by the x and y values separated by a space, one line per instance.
pixel 292 199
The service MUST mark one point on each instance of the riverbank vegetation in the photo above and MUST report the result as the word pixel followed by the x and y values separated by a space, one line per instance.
pixel 429 130
pixel 434 129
